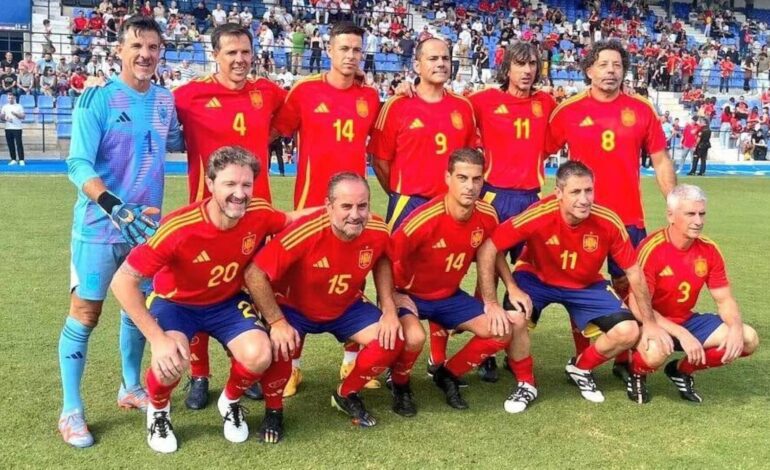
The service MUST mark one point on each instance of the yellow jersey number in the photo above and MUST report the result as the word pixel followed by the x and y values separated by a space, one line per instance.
pixel 220 274
pixel 608 141
pixel 344 129
pixel 239 124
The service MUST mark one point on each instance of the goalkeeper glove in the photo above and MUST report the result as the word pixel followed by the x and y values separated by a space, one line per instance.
pixel 131 219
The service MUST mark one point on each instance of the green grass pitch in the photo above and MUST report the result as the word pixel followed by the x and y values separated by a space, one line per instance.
pixel 560 430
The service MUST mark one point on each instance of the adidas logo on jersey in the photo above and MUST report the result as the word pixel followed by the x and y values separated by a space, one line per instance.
pixel 214 103
pixel 440 244
pixel 554 240
pixel 667 271
pixel 502 109
pixel 202 257
pixel 321 108
pixel 416 124
pixel 322 263
pixel 587 122
pixel 123 117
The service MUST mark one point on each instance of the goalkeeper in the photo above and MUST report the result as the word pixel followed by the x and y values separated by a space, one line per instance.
pixel 120 133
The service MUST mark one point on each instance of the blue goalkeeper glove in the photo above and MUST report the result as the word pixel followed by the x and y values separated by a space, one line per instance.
pixel 132 220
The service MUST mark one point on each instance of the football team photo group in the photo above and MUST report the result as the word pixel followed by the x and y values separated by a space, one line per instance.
pixel 451 276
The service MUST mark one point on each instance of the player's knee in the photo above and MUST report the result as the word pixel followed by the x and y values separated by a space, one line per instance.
pixel 750 340
pixel 255 356
pixel 625 333
pixel 87 313
pixel 653 354
pixel 518 323
pixel 414 337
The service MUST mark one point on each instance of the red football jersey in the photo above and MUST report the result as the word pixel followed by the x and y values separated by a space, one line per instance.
pixel 609 138
pixel 315 272
pixel 193 262
pixel 562 255
pixel 513 136
pixel 432 251
pixel 214 116
pixel 418 137
pixel 333 127
pixel 675 277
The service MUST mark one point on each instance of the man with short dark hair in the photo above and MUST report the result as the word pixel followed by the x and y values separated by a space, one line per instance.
pixel 12 114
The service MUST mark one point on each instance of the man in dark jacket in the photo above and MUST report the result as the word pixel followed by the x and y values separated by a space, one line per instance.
pixel 701 148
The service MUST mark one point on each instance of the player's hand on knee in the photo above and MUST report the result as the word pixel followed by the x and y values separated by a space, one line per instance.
pixel 497 319
pixel 167 361
pixel 521 301
pixel 652 332
pixel 284 339
pixel 693 349
pixel 732 344
pixel 388 330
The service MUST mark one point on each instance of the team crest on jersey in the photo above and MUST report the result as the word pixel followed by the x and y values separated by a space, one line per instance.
pixel 477 236
pixel 365 258
pixel 537 109
pixel 362 107
pixel 163 115
pixel 457 120
pixel 256 98
pixel 248 244
pixel 590 242
pixel 701 267
pixel 628 117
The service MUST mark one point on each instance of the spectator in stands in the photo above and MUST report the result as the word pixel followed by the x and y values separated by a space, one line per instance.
pixel 759 143
pixel 186 71
pixel 8 61
pixel 765 97
pixel 99 45
pixel 111 66
pixel 48 82
pixel 701 148
pixel 30 64
pixel 91 67
pixel 79 23
pixel 285 76
pixel 371 46
pixel 177 79
pixel 298 40
pixel 405 49
pixel 173 8
pixel 742 109
pixel 8 82
pixel 46 61
pixel 96 22
pixel 164 79
pixel 316 46
pixel 63 66
pixel 726 67
pixel 689 139
pixel 748 72
pixel 146 9
pixel 78 82
pixel 234 16
pixel 202 17
pixel 246 17
pixel 12 114
pixel 26 81
pixel 424 34
pixel 61 84
pixel 163 67
pixel 266 44
pixel 159 14
pixel 219 15
pixel 706 66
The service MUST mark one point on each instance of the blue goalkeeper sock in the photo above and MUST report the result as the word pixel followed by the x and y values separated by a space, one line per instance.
pixel 73 346
pixel 131 351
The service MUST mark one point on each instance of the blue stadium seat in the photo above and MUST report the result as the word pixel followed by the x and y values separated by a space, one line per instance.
pixel 63 130
pixel 45 102
pixel 46 117
pixel 27 101
pixel 199 57
pixel 171 56
pixel 3 100
pixel 64 116
pixel 29 116
pixel 64 102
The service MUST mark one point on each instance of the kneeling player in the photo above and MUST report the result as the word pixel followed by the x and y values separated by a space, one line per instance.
pixel 568 239
pixel 432 251
pixel 197 258
pixel 316 271
pixel 677 262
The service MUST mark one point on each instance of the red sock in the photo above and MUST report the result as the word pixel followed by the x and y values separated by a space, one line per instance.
pixel 713 359
pixel 402 368
pixel 241 378
pixel 352 346
pixel 159 394
pixel 273 380
pixel 590 359
pixel 581 342
pixel 372 360
pixel 623 358
pixel 439 337
pixel 199 355
pixel 639 365
pixel 523 370
pixel 473 353
pixel 298 352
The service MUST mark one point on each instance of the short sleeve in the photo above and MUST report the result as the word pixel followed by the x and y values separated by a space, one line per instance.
pixel 289 116
pixel 384 133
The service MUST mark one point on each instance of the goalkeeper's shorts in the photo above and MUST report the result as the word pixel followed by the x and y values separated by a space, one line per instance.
pixel 92 266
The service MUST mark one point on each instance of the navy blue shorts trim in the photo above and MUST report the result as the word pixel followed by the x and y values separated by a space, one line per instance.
pixel 450 312
pixel 399 208
pixel 700 325
pixel 358 316
pixel 224 320
pixel 636 235
pixel 583 305
pixel 509 203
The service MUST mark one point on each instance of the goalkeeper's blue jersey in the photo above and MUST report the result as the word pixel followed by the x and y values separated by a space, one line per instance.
pixel 120 136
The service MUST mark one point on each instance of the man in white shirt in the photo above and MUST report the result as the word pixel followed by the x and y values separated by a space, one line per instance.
pixel 286 76
pixel 12 114
pixel 246 17
pixel 219 15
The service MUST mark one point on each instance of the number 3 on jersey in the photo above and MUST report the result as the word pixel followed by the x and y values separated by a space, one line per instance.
pixel 239 124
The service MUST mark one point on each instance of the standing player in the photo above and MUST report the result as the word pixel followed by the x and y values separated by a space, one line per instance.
pixel 568 239
pixel 512 122
pixel 332 115
pixel 316 270
pixel 226 108
pixel 607 130
pixel 119 136
pixel 432 251
pixel 678 262
pixel 412 141
pixel 196 261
